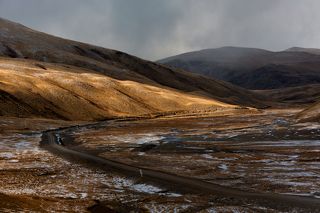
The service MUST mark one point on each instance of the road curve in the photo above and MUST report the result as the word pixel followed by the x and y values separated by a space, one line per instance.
pixel 52 142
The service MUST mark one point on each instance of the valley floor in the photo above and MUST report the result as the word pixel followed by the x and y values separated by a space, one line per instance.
pixel 258 152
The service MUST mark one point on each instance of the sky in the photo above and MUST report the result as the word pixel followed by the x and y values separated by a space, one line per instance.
pixel 155 29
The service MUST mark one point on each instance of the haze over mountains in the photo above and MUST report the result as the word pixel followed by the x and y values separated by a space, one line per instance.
pixel 47 76
pixel 43 75
pixel 307 50
pixel 253 68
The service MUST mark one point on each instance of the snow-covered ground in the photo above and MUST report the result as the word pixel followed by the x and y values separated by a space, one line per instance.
pixel 28 170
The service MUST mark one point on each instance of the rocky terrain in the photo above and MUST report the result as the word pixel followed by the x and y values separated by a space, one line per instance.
pixel 257 152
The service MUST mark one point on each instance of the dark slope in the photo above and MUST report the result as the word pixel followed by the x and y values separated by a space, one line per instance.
pixel 293 95
pixel 253 68
pixel 301 49
pixel 18 41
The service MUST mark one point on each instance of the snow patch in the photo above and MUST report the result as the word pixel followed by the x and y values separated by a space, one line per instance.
pixel 141 153
pixel 223 167
pixel 137 138
pixel 146 188
pixel 207 156
pixel 83 195
pixel 7 155
pixel 22 145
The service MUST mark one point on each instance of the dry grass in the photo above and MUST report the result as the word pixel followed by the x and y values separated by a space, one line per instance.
pixel 311 114
pixel 58 78
pixel 54 91
pixel 292 96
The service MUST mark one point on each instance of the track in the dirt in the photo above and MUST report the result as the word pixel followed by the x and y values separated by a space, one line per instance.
pixel 51 141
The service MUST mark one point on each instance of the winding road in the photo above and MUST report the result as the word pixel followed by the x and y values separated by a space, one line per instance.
pixel 52 141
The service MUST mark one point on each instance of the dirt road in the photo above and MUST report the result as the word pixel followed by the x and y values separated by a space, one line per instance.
pixel 52 141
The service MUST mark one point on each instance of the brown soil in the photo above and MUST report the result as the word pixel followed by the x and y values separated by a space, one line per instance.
pixel 188 158
pixel 311 113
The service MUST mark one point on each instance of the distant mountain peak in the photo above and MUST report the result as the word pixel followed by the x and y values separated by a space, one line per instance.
pixel 294 49
pixel 302 49
pixel 253 68
pixel 61 78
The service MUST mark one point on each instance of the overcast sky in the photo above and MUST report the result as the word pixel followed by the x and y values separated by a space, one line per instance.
pixel 154 29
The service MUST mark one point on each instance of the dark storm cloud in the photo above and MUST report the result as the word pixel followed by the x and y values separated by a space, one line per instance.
pixel 158 28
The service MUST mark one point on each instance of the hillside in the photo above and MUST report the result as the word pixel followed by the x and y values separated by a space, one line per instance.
pixel 311 114
pixel 53 91
pixel 78 81
pixel 253 68
pixel 301 49
pixel 293 95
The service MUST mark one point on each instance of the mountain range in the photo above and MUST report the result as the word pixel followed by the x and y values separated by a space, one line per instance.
pixel 52 77
pixel 46 76
pixel 252 68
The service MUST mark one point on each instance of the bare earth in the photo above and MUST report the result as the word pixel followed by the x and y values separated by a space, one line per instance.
pixel 258 153
pixel 182 142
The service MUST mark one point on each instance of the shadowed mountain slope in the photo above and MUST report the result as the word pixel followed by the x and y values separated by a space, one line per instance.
pixel 301 49
pixel 253 68
pixel 79 81
pixel 293 95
